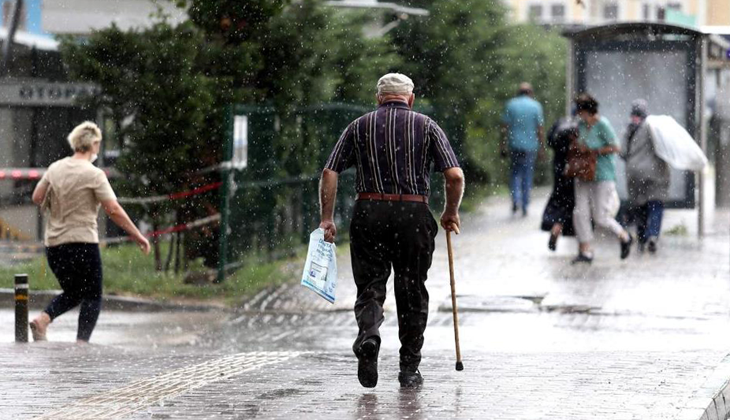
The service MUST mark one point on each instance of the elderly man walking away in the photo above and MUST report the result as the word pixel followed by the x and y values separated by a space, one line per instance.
pixel 647 177
pixel 522 141
pixel 392 150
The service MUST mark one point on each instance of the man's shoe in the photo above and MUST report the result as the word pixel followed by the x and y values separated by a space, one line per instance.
pixel 514 208
pixel 553 242
pixel 410 379
pixel 367 363
pixel 626 247
pixel 582 258
pixel 651 245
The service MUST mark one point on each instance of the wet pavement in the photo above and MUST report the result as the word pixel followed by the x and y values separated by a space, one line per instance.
pixel 541 339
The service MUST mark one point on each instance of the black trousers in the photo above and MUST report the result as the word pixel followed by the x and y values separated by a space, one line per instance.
pixel 400 235
pixel 77 267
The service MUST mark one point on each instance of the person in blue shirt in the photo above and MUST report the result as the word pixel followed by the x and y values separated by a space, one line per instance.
pixel 522 141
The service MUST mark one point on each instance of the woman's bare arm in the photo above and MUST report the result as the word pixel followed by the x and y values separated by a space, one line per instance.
pixel 39 194
pixel 115 212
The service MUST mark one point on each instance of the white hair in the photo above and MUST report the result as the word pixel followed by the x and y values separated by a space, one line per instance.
pixel 83 136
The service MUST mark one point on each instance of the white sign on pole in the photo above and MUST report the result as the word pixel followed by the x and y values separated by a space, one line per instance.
pixel 240 141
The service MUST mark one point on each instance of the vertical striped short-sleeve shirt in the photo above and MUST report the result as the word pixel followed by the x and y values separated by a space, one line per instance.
pixel 393 149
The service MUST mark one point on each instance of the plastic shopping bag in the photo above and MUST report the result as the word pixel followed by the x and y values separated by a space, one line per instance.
pixel 320 270
pixel 674 145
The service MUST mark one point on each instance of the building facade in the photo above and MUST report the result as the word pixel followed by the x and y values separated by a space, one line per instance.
pixel 698 13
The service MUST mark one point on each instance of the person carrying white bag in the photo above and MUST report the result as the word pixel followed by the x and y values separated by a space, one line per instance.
pixel 393 150
pixel 654 143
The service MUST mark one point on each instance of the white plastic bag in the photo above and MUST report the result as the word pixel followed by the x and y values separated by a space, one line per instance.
pixel 320 270
pixel 674 145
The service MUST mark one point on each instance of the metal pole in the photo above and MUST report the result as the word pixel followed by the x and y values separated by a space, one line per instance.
pixel 21 308
pixel 569 75
pixel 226 172
pixel 702 131
pixel 7 51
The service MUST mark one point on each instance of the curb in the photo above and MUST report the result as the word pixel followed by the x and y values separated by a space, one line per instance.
pixel 41 298
pixel 712 400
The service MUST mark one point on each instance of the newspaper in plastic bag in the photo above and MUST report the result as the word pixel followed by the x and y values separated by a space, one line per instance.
pixel 674 145
pixel 320 270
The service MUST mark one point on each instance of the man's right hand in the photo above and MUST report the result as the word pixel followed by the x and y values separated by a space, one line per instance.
pixel 451 222
pixel 330 230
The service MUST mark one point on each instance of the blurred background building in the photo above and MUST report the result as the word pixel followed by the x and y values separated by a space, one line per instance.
pixel 698 13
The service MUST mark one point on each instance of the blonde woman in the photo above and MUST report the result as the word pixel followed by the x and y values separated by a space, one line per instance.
pixel 72 190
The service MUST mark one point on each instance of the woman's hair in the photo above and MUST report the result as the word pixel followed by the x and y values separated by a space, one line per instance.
pixel 585 102
pixel 84 136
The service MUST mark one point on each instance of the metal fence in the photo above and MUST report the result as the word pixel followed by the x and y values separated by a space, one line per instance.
pixel 269 198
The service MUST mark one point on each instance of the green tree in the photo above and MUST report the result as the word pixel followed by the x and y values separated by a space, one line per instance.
pixel 532 54
pixel 157 97
pixel 452 56
pixel 466 61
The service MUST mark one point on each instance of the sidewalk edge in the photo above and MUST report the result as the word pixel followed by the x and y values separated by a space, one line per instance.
pixel 712 400
pixel 40 298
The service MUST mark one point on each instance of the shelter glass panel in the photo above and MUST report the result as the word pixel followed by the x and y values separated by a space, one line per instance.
pixel 616 78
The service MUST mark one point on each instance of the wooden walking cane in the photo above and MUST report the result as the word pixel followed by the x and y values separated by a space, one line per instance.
pixel 459 364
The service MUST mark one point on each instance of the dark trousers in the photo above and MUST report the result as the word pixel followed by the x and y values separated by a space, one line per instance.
pixel 649 220
pixel 400 235
pixel 77 267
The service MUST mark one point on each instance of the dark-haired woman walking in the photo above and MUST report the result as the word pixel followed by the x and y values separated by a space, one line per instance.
pixel 595 199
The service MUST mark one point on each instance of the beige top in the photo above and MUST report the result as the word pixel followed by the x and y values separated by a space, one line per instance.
pixel 76 189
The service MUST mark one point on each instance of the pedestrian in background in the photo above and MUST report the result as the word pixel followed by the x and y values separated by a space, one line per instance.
pixel 647 177
pixel 71 191
pixel 558 215
pixel 595 199
pixel 392 150
pixel 522 141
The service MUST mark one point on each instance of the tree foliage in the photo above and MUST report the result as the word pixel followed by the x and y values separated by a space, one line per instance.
pixel 466 61
pixel 167 87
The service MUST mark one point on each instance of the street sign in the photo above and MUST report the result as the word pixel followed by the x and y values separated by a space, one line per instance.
pixel 34 93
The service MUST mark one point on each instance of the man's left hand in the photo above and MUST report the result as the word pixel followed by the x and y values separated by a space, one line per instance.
pixel 451 222
pixel 330 230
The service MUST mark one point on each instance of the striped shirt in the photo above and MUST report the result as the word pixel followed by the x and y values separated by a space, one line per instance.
pixel 393 149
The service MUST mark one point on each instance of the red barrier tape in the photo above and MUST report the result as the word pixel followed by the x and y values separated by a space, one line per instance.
pixel 172 229
pixel 173 196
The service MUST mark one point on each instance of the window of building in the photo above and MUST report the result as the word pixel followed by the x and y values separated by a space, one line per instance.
pixel 646 11
pixel 557 12
pixel 534 12
pixel 675 6
pixel 610 11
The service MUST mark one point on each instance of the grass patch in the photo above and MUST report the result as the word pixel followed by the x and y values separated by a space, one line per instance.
pixel 129 273
pixel 477 193
pixel 678 230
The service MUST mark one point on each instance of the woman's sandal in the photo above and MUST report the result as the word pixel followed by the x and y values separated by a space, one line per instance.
pixel 38 333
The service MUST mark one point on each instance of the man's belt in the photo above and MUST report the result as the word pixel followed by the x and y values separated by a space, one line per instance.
pixel 393 197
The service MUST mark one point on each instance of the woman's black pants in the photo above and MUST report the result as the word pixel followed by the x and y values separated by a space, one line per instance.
pixel 77 267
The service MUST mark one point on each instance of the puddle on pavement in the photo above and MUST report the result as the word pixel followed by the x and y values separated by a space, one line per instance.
pixel 472 303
